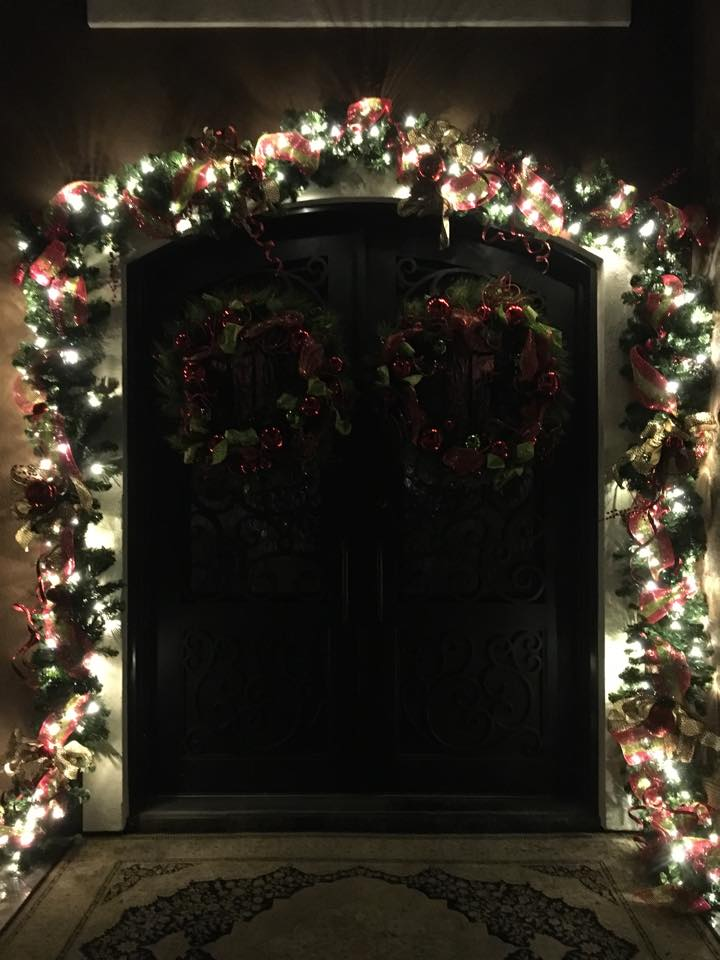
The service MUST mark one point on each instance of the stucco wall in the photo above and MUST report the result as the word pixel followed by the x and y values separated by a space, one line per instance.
pixel 78 104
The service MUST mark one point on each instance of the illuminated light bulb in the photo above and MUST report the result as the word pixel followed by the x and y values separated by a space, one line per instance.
pixel 26 838
pixel 45 464
pixel 96 469
pixel 357 138
pixel 51 643
pixel 644 552
pixel 70 356
pixel 279 176
pixel 675 625
pixel 651 585
pixel 478 157
pixel 374 130
pixel 508 209
pixel 615 202
pixel 56 528
pixel 99 606
pixel 146 165
pixel 454 169
pixel 74 201
pixel 74 521
pixel 672 386
pixel 57 813
pixel 105 219
pixel 410 121
pixel 183 225
pixel 70 715
pixel 700 358
pixel 677 607
pixel 41 342
pixel 579 186
pixel 602 240
pixel 679 854
pixel 619 243
pixel 111 202
pixel 713 838
pixel 673 493
pixel 75 577
pixel 648 228
pixel 335 131
pixel 4 839
pixel 63 448
pixel 696 651
pixel 387 158
pixel 48 543
pixel 699 315
pixel 54 294
pixel 687 296
pixel 317 144
pixel 22 245
pixel 92 708
pixel 305 129
pixel 679 508
pixel 94 663
pixel 93 399
pixel 53 729
pixel 132 184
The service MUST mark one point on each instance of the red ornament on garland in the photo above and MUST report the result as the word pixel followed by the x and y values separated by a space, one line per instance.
pixel 193 373
pixel 297 339
pixel 182 340
pixel 310 406
pixel 402 368
pixel 336 364
pixel 500 449
pixel 41 494
pixel 271 439
pixel 483 313
pixel 431 166
pixel 548 383
pixel 514 314
pixel 661 720
pixel 431 439
pixel 438 309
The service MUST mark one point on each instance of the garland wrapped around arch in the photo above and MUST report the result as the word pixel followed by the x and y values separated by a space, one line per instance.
pixel 68 274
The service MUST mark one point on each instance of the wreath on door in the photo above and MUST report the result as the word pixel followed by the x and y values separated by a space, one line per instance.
pixel 476 380
pixel 254 380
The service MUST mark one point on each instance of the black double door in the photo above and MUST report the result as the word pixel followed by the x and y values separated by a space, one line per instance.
pixel 369 633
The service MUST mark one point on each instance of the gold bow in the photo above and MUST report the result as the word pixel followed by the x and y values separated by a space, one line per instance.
pixel 645 456
pixel 691 732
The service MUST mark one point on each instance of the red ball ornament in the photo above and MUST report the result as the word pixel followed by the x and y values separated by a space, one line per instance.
pixel 500 449
pixel 193 373
pixel 514 314
pixel 431 439
pixel 297 339
pixel 182 340
pixel 661 720
pixel 548 383
pixel 41 494
pixel 483 313
pixel 431 166
pixel 336 364
pixel 271 439
pixel 310 406
pixel 402 367
pixel 438 309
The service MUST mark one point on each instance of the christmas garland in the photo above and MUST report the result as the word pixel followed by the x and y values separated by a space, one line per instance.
pixel 490 334
pixel 68 275
pixel 214 365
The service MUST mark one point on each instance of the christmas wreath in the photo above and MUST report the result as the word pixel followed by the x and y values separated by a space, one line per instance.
pixel 477 379
pixel 253 380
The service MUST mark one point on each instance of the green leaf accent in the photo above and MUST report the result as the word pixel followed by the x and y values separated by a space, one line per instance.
pixel 191 453
pixel 524 452
pixel 383 376
pixel 530 312
pixel 414 379
pixel 212 302
pixel 406 349
pixel 228 337
pixel 343 427
pixel 286 401
pixel 494 462
pixel 220 451
pixel 198 425
pixel 317 387
pixel 242 438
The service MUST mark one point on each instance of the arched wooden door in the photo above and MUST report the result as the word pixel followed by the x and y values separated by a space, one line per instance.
pixel 370 636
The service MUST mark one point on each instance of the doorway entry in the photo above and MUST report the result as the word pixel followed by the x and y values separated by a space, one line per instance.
pixel 368 636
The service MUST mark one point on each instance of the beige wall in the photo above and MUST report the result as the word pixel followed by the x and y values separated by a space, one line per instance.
pixel 77 103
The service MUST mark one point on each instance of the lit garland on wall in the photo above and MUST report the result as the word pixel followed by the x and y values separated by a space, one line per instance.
pixel 68 275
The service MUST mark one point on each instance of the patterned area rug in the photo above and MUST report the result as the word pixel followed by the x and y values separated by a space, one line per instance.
pixel 327 897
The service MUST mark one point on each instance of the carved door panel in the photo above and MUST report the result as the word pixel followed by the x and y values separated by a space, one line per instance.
pixel 371 632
